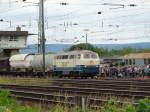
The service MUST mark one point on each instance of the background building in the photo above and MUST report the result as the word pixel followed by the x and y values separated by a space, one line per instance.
pixel 112 61
pixel 12 41
pixel 137 59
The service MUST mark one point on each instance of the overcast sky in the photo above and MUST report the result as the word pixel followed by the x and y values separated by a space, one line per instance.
pixel 67 24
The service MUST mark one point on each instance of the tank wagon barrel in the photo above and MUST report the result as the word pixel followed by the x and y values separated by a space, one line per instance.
pixel 38 61
pixel 21 61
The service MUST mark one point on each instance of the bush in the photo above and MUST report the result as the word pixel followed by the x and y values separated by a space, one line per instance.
pixel 144 105
pixel 129 108
pixel 110 106
pixel 6 101
pixel 9 104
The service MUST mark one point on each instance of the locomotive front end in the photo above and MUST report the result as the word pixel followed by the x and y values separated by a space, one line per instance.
pixel 89 63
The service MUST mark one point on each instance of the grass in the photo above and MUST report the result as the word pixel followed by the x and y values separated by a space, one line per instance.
pixel 10 104
pixel 25 81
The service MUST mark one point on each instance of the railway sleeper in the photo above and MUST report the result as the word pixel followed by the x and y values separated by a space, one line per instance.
pixel 79 91
pixel 145 93
pixel 109 88
pixel 66 95
pixel 43 95
pixel 42 100
pixel 50 101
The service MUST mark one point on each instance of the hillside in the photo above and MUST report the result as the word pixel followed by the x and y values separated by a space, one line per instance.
pixel 61 47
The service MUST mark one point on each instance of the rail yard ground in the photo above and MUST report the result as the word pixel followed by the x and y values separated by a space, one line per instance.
pixel 9 104
pixel 88 94
pixel 50 81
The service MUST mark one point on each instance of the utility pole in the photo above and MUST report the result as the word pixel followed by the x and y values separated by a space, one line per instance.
pixel 39 24
pixel 86 38
pixel 41 31
pixel 42 27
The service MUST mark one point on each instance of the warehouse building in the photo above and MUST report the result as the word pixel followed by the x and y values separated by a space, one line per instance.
pixel 137 59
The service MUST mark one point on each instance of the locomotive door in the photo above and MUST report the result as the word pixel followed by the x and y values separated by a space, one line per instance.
pixel 72 61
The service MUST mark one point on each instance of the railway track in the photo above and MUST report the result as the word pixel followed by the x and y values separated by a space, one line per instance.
pixel 69 96
pixel 75 92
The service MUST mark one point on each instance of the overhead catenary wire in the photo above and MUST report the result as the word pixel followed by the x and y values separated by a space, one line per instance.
pixel 84 15
pixel 105 12
pixel 70 16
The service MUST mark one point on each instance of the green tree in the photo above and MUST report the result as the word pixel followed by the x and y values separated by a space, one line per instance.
pixel 103 52
pixel 83 46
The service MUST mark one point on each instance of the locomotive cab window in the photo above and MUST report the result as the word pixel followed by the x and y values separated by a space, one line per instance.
pixel 58 57
pixel 79 56
pixel 72 56
pixel 94 56
pixel 65 57
pixel 87 56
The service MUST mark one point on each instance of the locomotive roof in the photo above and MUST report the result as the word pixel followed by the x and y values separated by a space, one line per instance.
pixel 76 51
